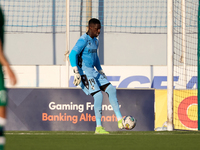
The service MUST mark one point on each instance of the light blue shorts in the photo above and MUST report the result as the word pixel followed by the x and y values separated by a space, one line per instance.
pixel 91 80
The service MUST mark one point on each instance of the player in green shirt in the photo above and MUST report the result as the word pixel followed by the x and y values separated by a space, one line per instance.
pixel 13 81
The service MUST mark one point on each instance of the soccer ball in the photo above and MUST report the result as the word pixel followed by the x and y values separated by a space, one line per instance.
pixel 129 122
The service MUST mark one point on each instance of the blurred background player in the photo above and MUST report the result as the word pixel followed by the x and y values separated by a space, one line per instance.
pixel 11 75
pixel 83 58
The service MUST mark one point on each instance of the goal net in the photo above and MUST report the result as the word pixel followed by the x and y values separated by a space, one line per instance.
pixel 185 64
pixel 40 16
pixel 34 16
pixel 135 16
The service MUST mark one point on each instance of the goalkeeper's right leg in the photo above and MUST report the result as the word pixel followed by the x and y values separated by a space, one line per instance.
pixel 98 98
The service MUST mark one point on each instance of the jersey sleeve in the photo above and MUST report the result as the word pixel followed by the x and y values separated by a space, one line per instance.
pixel 73 56
pixel 98 65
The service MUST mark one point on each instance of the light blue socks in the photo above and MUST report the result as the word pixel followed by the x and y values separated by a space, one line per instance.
pixel 98 98
pixel 111 91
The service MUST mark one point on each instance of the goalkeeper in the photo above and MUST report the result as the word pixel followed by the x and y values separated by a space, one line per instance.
pixel 83 58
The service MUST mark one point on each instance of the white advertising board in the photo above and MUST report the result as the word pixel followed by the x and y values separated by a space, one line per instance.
pixel 120 76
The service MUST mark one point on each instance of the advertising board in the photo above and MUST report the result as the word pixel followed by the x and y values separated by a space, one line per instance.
pixel 71 110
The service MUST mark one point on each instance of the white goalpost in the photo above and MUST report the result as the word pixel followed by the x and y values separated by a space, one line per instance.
pixel 182 41
pixel 170 65
pixel 67 42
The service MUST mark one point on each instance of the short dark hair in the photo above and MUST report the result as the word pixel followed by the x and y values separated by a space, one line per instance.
pixel 94 21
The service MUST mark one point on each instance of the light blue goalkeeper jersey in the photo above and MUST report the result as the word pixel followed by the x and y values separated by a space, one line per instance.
pixel 84 53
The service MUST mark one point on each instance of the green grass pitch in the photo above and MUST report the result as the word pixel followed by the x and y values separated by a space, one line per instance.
pixel 133 140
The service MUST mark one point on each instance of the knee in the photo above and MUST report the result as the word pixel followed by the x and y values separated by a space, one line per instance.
pixel 111 90
pixel 97 94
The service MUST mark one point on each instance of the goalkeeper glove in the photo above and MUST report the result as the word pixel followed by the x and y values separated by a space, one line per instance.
pixel 77 76
pixel 102 73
